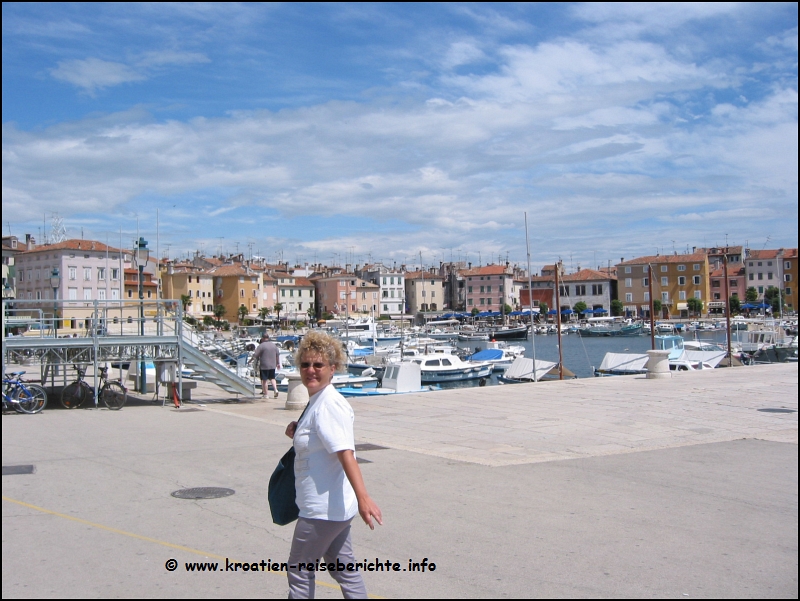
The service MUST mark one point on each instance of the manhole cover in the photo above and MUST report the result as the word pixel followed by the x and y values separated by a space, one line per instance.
pixel 368 446
pixel 204 492
pixel 776 410
pixel 17 470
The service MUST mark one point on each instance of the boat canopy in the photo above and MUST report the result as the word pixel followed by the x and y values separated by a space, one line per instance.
pixel 522 369
pixel 489 354
pixel 623 362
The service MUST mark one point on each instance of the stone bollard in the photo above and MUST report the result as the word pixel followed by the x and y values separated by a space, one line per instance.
pixel 297 397
pixel 658 365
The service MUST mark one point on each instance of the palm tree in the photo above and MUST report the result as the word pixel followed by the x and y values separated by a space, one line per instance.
pixel 242 312
pixel 186 301
pixel 263 312
pixel 278 308
pixel 219 311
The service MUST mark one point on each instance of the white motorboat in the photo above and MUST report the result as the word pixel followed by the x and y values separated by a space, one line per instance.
pixel 449 368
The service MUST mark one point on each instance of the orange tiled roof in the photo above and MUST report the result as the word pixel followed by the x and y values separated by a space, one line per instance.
pixel 71 245
pixel 659 259
pixel 585 275
pixel 486 270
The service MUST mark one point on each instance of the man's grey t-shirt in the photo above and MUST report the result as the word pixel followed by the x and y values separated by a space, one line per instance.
pixel 268 355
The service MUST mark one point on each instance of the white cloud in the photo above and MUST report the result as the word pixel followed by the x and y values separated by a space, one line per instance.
pixel 93 73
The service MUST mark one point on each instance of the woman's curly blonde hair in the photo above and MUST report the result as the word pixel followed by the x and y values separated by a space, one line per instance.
pixel 317 343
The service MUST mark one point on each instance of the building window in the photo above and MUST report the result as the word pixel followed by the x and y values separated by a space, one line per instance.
pixel 750 277
pixel 469 302
pixel 73 273
pixel 682 295
pixel 681 267
pixel 665 281
pixel 114 294
pixel 663 268
pixel 628 282
pixel 580 290
pixel 483 301
pixel 787 277
pixel 681 280
pixel 87 294
pixel 87 274
pixel 733 284
pixel 114 273
pixel 469 289
pixel 665 297
pixel 597 289
pixel 769 275
pixel 627 269
pixel 761 289
pixel 629 297
pixel 647 297
pixel 101 294
pixel 489 288
pixel 696 266
pixel 696 280
pixel 101 273
pixel 760 276
pixel 698 294
pixel 73 294
pixel 645 282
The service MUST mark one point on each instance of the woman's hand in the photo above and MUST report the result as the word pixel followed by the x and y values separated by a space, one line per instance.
pixel 290 429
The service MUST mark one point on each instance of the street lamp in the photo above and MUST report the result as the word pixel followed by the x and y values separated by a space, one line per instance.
pixel 55 284
pixel 141 259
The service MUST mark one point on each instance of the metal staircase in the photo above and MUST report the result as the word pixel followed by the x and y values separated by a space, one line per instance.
pixel 213 372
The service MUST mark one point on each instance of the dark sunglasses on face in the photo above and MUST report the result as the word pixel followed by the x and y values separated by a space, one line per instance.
pixel 306 365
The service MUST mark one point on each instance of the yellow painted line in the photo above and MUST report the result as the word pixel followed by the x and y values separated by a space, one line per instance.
pixel 141 537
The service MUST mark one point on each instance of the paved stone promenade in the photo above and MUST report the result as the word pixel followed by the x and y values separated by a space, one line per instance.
pixel 615 487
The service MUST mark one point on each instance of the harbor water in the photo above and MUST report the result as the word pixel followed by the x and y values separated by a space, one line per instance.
pixel 582 354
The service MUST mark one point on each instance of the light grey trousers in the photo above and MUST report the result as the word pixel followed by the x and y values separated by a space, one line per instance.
pixel 315 540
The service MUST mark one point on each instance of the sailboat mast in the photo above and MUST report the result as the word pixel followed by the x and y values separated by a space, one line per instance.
pixel 558 324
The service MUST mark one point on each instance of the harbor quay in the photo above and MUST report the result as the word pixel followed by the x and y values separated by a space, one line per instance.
pixel 607 487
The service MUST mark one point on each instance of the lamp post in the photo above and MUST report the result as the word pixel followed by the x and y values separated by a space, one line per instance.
pixel 55 284
pixel 141 260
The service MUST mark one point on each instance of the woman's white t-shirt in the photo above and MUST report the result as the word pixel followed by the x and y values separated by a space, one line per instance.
pixel 323 490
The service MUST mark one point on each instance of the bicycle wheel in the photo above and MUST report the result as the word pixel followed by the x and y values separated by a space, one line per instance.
pixel 114 395
pixel 73 395
pixel 31 398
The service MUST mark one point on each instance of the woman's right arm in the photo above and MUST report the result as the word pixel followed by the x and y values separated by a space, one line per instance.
pixel 291 429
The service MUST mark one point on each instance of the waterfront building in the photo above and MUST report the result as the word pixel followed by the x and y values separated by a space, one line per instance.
pixel 184 279
pixel 11 247
pixel 296 295
pixel 488 288
pixel 790 279
pixel 392 287
pixel 235 285
pixel 765 268
pixel 676 279
pixel 424 291
pixel 346 294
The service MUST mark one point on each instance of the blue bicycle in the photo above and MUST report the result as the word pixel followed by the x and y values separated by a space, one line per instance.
pixel 23 396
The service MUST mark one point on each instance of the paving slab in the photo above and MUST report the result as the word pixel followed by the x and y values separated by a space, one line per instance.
pixel 617 487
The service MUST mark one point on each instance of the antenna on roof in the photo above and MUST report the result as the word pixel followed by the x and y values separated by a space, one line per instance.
pixel 58 233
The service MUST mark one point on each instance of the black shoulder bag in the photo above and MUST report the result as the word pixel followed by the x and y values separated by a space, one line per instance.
pixel 282 494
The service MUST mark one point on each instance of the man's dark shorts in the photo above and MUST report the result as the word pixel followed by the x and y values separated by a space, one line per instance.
pixel 267 374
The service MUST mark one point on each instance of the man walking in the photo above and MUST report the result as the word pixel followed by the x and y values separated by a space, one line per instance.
pixel 269 358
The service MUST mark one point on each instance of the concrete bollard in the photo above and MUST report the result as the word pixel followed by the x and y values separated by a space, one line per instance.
pixel 297 397
pixel 658 365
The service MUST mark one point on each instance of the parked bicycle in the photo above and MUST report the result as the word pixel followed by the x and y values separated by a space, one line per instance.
pixel 112 392
pixel 22 396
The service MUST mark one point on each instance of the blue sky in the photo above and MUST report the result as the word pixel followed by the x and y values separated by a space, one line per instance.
pixel 336 132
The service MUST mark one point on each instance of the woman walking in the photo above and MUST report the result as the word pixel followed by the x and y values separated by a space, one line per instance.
pixel 328 481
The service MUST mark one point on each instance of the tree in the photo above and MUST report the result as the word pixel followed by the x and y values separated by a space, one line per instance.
pixel 772 296
pixel 507 309
pixel 186 301
pixel 695 305
pixel 242 312
pixel 579 307
pixel 543 308
pixel 751 295
pixel 208 320
pixel 657 306
pixel 219 312
pixel 617 308
pixel 475 311
pixel 278 308
pixel 263 313
pixel 734 304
